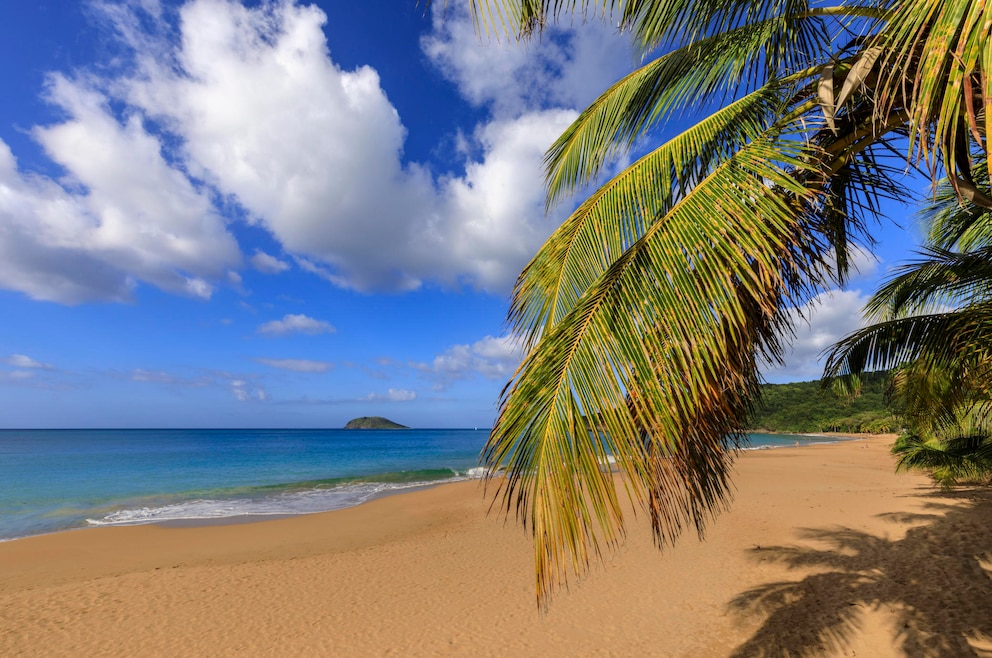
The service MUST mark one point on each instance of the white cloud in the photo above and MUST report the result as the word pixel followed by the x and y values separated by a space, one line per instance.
pixel 825 320
pixel 246 105
pixel 121 214
pixel 168 378
pixel 240 386
pixel 491 221
pixel 568 66
pixel 299 323
pixel 393 395
pixel 310 150
pixel 22 361
pixel 298 365
pixel 313 152
pixel 267 264
pixel 491 357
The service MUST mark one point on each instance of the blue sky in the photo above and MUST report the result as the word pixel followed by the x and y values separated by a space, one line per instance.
pixel 284 214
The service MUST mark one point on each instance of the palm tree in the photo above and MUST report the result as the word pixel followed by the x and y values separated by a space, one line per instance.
pixel 648 311
pixel 933 324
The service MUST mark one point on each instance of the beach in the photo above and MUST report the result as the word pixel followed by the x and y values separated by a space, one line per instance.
pixel 825 551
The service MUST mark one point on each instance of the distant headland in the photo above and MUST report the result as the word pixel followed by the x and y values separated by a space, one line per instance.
pixel 373 423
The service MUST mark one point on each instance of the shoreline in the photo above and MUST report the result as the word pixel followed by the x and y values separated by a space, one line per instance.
pixel 211 512
pixel 825 551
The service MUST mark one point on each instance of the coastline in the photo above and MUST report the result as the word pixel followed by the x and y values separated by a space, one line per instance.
pixel 289 472
pixel 427 572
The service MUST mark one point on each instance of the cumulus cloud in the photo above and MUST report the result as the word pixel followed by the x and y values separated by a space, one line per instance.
pixel 819 324
pixel 314 153
pixel 493 358
pixel 491 220
pixel 299 323
pixel 22 361
pixel 122 214
pixel 297 365
pixel 246 104
pixel 567 67
pixel 267 264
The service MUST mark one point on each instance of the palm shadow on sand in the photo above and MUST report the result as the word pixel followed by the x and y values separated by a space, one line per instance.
pixel 935 583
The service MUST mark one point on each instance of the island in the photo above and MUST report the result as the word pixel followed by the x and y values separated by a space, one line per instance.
pixel 373 423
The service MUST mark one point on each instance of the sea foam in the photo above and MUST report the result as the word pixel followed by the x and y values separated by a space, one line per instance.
pixel 283 504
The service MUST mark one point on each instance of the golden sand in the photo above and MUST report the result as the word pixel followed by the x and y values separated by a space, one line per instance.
pixel 825 552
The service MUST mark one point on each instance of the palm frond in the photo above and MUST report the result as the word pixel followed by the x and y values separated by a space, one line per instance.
pixel 660 349
pixel 967 457
pixel 619 212
pixel 722 64
pixel 941 278
pixel 655 22
pixel 937 340
pixel 955 223
pixel 935 62
pixel 648 309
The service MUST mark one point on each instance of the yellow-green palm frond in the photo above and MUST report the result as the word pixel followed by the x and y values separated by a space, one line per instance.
pixel 619 213
pixel 656 22
pixel 940 279
pixel 721 64
pixel 939 339
pixel 959 224
pixel 938 60
pixel 654 364
pixel 647 311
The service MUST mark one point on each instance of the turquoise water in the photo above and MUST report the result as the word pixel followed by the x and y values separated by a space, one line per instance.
pixel 53 480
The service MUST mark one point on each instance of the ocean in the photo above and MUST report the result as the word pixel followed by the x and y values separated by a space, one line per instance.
pixel 54 480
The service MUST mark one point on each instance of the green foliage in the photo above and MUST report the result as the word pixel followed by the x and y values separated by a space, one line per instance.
pixel 933 322
pixel 948 461
pixel 651 308
pixel 809 407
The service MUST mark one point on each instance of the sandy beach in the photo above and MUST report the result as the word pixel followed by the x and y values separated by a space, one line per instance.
pixel 824 552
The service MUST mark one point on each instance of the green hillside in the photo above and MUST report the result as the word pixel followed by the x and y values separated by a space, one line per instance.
pixel 806 407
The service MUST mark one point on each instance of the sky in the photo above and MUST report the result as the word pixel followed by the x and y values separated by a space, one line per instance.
pixel 288 214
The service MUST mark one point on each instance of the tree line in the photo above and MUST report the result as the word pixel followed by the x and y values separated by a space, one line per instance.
pixel 809 407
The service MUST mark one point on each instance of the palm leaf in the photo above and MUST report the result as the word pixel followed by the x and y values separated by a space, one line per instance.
pixel 958 224
pixel 660 350
pixel 937 341
pixel 967 457
pixel 933 50
pixel 684 78
pixel 941 278
pixel 619 212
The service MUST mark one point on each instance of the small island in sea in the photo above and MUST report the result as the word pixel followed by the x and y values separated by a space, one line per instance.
pixel 373 423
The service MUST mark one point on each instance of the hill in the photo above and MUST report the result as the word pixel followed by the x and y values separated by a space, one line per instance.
pixel 373 423
pixel 806 407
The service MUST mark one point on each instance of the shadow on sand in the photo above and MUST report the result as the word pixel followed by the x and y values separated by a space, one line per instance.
pixel 934 586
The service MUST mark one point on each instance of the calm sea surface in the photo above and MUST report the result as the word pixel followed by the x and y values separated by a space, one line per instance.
pixel 53 480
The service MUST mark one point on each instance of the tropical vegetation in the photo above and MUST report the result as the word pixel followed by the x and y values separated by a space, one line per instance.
pixel 933 320
pixel 652 307
pixel 802 407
